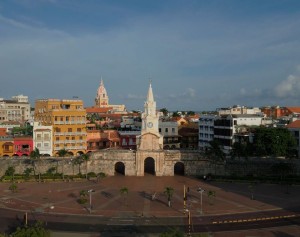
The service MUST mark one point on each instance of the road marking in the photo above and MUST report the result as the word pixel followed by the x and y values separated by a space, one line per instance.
pixel 254 219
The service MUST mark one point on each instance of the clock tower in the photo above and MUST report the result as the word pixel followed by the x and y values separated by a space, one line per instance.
pixel 150 138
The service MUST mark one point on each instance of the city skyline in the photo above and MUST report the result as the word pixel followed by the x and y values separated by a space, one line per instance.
pixel 199 55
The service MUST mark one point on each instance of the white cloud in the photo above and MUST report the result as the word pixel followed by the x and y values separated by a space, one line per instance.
pixel 289 87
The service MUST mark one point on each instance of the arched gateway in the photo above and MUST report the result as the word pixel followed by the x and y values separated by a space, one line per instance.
pixel 149 156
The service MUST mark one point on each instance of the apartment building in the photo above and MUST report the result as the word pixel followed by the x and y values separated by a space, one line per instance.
pixel 227 129
pixel 42 138
pixel 16 109
pixel 237 109
pixel 206 130
pixel 169 131
pixel 68 119
pixel 6 146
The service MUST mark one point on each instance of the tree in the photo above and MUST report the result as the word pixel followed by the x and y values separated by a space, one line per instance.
pixel 190 113
pixel 211 194
pixel 78 161
pixel 62 153
pixel 176 114
pixel 124 192
pixel 215 153
pixel 10 172
pixel 169 193
pixel 27 172
pixel 35 157
pixel 273 141
pixel 13 187
pixel 86 158
pixel 83 197
pixel 172 233
pixel 36 230
pixel 164 111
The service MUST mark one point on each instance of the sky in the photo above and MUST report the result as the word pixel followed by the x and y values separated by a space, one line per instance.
pixel 198 54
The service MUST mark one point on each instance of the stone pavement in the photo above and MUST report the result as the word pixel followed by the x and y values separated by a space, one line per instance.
pixel 61 197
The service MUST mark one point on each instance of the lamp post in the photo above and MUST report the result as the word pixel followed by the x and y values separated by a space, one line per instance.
pixel 201 191
pixel 90 193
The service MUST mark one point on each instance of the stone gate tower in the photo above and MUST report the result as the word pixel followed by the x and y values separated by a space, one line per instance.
pixel 150 142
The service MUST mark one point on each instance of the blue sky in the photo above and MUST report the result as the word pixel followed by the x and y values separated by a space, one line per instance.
pixel 200 55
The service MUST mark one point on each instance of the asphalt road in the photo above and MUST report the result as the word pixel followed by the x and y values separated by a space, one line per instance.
pixel 135 226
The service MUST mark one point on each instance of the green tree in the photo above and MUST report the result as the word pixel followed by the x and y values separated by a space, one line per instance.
pixel 211 195
pixel 172 233
pixel 83 194
pixel 274 141
pixel 169 193
pixel 164 111
pixel 27 172
pixel 63 153
pixel 85 158
pixel 10 172
pixel 214 153
pixel 124 192
pixel 78 161
pixel 13 187
pixel 176 114
pixel 36 230
pixel 35 157
pixel 190 113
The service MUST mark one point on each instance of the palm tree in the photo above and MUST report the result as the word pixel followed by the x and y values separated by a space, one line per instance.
pixel 62 153
pixel 35 156
pixel 86 158
pixel 78 161
pixel 211 194
pixel 124 192
pixel 169 192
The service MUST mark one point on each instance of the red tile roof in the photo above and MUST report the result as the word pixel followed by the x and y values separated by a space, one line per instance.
pixel 295 124
pixel 294 109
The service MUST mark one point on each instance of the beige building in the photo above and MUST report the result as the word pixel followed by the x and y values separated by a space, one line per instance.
pixel 16 109
pixel 68 119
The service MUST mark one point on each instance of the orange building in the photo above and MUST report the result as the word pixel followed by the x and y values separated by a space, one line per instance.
pixel 68 119
pixel 277 112
pixel 6 146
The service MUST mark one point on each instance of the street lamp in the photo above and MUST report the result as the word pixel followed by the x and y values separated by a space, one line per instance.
pixel 90 193
pixel 201 191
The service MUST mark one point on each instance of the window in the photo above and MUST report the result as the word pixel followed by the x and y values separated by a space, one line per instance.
pixel 57 138
pixel 69 129
pixel 38 145
pixel 166 130
pixel 46 144
pixel 159 130
pixel 173 130
pixel 78 129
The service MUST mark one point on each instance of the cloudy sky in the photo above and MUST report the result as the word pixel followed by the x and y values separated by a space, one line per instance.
pixel 200 55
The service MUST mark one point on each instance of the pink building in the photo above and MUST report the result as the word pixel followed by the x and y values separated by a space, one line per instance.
pixel 23 146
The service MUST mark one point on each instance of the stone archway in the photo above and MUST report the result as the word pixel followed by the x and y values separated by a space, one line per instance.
pixel 149 166
pixel 179 168
pixel 120 168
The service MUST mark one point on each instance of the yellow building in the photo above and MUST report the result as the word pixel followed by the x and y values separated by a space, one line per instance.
pixel 6 146
pixel 68 119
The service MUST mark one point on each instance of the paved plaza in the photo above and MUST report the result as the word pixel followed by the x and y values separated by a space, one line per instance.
pixel 107 200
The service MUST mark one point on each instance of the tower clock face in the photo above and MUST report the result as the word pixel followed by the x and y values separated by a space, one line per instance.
pixel 150 124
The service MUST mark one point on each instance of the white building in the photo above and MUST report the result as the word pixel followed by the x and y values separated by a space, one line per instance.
pixel 226 128
pixel 237 109
pixel 42 138
pixel 169 130
pixel 206 130
pixel 16 109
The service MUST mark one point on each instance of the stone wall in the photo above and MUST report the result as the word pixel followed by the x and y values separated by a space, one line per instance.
pixel 105 161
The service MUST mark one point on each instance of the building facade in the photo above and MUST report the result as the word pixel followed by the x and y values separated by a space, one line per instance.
pixel 42 138
pixel 17 109
pixel 68 119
